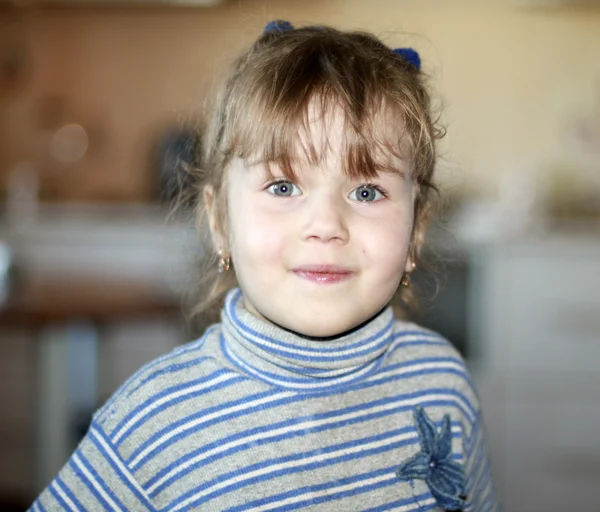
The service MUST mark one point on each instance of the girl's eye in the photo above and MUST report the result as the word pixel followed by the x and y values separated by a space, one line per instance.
pixel 284 189
pixel 366 194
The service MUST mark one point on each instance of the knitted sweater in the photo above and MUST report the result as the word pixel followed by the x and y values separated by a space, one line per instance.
pixel 254 418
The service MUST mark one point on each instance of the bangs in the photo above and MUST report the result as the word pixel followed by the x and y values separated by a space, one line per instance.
pixel 275 105
pixel 371 141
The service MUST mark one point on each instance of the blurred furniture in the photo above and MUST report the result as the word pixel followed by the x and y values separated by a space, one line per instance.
pixel 96 295
pixel 68 317
pixel 47 301
pixel 536 347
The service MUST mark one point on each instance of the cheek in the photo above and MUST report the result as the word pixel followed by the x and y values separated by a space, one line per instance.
pixel 258 238
pixel 385 242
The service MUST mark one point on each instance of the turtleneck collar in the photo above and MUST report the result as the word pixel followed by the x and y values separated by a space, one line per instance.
pixel 292 361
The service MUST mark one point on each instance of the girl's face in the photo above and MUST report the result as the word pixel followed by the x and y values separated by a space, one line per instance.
pixel 324 254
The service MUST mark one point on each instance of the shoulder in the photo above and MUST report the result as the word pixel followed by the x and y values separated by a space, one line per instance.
pixel 413 340
pixel 161 378
pixel 431 360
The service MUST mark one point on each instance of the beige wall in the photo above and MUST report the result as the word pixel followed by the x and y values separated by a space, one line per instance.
pixel 511 79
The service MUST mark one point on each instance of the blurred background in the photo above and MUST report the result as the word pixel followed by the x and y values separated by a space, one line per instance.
pixel 97 104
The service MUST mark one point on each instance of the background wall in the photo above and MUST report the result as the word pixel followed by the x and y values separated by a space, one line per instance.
pixel 515 82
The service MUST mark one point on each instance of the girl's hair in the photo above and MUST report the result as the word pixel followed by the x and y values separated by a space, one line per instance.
pixel 262 109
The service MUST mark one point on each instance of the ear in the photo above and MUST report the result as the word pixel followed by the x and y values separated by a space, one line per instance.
pixel 416 244
pixel 410 262
pixel 210 209
pixel 421 216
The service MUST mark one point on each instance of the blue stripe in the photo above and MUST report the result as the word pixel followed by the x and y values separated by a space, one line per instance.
pixel 340 494
pixel 324 487
pixel 483 489
pixel 472 441
pixel 60 482
pixel 489 503
pixel 320 352
pixel 480 490
pixel 402 503
pixel 58 497
pixel 306 467
pixel 333 383
pixel 169 403
pixel 280 437
pixel 440 342
pixel 456 360
pixel 341 458
pixel 98 480
pixel 424 338
pixel 474 457
pixel 476 487
pixel 325 358
pixel 273 439
pixel 307 370
pixel 170 369
pixel 328 382
pixel 97 431
pixel 423 392
pixel 416 343
pixel 473 487
pixel 271 405
pixel 426 360
pixel 38 505
pixel 190 347
pixel 429 337
pixel 200 414
pixel 275 403
pixel 472 483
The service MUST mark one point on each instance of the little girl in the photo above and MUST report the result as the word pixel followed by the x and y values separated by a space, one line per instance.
pixel 316 185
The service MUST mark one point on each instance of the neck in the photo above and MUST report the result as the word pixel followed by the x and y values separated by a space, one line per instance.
pixel 296 361
pixel 333 337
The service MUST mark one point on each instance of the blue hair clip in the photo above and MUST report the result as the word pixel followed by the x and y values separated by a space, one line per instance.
pixel 410 56
pixel 278 26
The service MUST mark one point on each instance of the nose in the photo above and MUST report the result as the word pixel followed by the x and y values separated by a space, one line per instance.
pixel 325 219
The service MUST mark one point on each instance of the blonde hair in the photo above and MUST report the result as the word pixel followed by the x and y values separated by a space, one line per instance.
pixel 263 106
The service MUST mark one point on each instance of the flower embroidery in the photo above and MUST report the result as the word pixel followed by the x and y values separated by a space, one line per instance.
pixel 434 463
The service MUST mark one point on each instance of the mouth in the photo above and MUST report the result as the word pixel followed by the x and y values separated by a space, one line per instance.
pixel 323 274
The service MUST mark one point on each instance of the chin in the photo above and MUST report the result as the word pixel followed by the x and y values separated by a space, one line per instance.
pixel 322 318
pixel 322 328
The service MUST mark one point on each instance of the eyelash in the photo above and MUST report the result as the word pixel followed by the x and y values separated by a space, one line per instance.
pixel 277 182
pixel 376 187
pixel 280 181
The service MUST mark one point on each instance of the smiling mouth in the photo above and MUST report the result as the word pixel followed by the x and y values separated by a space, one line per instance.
pixel 323 274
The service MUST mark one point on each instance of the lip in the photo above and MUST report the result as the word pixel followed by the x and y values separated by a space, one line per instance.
pixel 323 274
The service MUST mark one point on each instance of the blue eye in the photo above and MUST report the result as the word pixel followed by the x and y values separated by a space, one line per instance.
pixel 366 194
pixel 284 189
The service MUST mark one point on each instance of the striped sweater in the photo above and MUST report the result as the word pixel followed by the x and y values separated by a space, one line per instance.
pixel 254 418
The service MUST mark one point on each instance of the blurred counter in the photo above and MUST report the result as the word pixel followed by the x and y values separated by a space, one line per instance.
pixel 52 300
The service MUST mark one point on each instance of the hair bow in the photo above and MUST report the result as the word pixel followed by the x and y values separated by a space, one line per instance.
pixel 278 26
pixel 410 55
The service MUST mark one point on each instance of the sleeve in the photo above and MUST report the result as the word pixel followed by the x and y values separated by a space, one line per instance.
pixel 94 478
pixel 479 489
